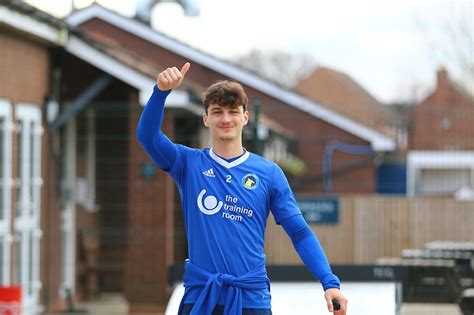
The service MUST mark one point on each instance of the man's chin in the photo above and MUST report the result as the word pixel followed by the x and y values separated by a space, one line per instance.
pixel 226 138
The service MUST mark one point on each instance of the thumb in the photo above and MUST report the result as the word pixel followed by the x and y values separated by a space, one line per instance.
pixel 185 69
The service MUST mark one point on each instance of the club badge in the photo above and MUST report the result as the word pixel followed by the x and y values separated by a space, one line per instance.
pixel 250 181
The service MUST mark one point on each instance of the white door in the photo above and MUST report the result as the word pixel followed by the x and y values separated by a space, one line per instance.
pixel 27 221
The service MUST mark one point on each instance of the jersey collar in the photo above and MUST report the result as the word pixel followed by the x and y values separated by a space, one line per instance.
pixel 226 164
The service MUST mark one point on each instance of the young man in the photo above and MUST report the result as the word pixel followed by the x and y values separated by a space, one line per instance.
pixel 226 196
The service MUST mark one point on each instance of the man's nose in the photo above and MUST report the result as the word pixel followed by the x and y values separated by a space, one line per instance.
pixel 226 117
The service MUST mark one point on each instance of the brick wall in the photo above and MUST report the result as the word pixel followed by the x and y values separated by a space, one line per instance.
pixel 150 240
pixel 24 69
pixel 443 121
pixel 24 78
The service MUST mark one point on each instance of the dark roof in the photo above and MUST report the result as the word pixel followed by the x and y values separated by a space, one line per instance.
pixel 341 93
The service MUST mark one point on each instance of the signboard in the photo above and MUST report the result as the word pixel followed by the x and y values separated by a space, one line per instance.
pixel 319 210
pixel 10 300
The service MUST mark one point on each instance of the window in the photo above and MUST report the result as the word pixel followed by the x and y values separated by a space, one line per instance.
pixel 27 219
pixel 5 191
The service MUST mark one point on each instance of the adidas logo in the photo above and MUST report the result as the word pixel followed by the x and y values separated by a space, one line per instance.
pixel 209 173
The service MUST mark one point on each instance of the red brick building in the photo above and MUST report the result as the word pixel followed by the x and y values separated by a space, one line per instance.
pixel 443 120
pixel 441 157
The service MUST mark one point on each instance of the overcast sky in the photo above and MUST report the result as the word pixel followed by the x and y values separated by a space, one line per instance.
pixel 387 46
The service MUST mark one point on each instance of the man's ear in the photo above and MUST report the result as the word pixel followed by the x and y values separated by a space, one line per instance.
pixel 204 119
pixel 246 118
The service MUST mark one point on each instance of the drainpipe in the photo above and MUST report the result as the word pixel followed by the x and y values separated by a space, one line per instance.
pixel 51 104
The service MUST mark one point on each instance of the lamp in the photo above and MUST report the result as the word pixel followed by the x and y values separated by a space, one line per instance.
pixel 52 109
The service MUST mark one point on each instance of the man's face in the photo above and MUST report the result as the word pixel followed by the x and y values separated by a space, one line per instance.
pixel 225 123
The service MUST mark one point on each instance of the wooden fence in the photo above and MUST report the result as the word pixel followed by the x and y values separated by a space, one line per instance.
pixel 371 227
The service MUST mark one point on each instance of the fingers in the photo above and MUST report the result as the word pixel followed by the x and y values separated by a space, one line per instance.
pixel 171 78
pixel 172 75
pixel 333 305
pixel 177 74
pixel 330 306
pixel 162 82
pixel 336 302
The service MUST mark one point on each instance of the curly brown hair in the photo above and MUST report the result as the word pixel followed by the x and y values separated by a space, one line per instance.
pixel 225 93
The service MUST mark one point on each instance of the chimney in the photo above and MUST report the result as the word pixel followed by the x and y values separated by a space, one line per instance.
pixel 442 77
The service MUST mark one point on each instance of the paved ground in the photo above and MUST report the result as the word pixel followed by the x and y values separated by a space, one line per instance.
pixel 115 304
pixel 106 304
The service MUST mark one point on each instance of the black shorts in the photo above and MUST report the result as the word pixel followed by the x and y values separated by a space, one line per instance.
pixel 219 310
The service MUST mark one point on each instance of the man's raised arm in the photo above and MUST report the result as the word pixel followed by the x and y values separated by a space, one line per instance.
pixel 149 134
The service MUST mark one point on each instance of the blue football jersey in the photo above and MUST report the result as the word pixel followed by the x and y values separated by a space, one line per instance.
pixel 225 210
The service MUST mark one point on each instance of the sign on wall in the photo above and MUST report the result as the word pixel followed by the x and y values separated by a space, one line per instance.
pixel 319 210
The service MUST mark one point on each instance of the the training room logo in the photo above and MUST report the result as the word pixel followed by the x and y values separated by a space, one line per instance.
pixel 210 205
pixel 250 181
pixel 232 208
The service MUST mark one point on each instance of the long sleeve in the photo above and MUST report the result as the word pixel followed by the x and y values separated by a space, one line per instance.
pixel 158 146
pixel 310 250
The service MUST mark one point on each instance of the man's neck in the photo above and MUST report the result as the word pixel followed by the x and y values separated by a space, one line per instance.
pixel 227 150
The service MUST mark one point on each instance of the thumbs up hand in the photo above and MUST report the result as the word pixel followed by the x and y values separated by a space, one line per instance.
pixel 171 78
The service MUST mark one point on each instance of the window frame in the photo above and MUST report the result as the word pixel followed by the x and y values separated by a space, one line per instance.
pixel 6 183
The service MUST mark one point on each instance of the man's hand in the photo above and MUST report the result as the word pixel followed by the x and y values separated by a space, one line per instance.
pixel 171 78
pixel 331 294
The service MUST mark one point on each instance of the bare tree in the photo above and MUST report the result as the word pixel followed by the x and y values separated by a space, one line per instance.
pixel 281 67
pixel 452 42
